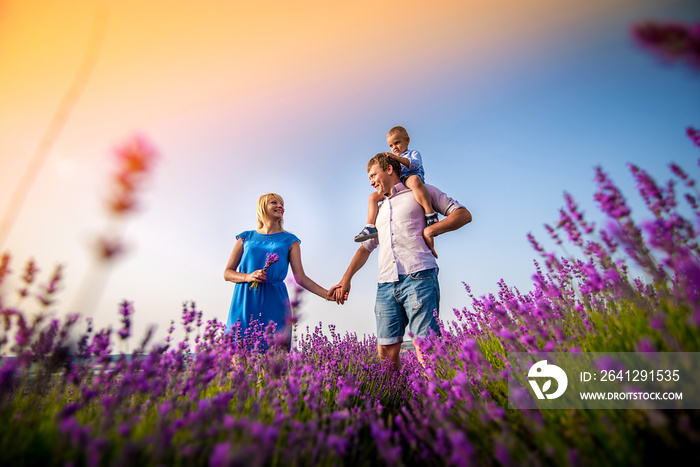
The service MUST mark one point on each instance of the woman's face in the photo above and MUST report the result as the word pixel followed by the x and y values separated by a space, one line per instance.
pixel 274 209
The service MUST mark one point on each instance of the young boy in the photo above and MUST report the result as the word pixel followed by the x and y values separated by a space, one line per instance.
pixel 412 175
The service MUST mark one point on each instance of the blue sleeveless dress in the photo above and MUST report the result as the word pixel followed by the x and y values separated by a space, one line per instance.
pixel 270 302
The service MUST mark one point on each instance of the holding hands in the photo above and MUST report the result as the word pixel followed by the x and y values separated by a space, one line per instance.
pixel 338 293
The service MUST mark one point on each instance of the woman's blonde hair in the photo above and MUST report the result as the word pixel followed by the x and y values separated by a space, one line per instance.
pixel 262 204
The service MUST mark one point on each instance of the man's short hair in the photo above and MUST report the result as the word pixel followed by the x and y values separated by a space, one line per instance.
pixel 384 162
pixel 398 129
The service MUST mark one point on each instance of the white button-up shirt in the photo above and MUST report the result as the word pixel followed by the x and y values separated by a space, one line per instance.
pixel 400 222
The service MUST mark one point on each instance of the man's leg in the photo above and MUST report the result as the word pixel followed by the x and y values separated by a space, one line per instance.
pixel 391 353
pixel 420 296
pixel 419 353
pixel 391 323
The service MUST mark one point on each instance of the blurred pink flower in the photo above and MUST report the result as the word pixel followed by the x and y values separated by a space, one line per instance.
pixel 135 159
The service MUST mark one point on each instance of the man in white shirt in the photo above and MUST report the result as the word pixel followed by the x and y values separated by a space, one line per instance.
pixel 408 291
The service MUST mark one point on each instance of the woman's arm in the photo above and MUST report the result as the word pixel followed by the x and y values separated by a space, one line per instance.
pixel 231 275
pixel 298 270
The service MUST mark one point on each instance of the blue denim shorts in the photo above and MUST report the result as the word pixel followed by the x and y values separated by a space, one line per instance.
pixel 410 301
pixel 408 173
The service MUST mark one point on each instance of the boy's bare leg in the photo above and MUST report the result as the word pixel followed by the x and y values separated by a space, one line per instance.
pixel 420 192
pixel 373 207
pixel 370 230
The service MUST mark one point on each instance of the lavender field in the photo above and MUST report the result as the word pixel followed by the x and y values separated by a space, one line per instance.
pixel 212 399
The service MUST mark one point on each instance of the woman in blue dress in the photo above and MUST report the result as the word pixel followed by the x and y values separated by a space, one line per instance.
pixel 268 301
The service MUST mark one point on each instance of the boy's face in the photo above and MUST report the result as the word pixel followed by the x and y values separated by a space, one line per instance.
pixel 398 143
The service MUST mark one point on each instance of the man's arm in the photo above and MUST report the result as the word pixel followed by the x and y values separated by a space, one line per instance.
pixel 342 290
pixel 454 220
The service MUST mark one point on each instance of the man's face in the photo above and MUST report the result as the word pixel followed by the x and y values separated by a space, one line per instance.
pixel 380 179
pixel 398 143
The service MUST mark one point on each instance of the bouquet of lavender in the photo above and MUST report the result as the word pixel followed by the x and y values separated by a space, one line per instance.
pixel 272 258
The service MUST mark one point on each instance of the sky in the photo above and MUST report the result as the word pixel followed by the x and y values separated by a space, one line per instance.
pixel 510 104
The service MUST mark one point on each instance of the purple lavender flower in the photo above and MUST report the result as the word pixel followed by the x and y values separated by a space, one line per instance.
pixel 576 214
pixel 694 136
pixel 645 344
pixel 220 456
pixel 46 298
pixel 609 197
pixel 126 309
pixel 680 173
pixel 656 200
pixel 567 223
pixel 8 373
pixel 272 258
pixel 672 41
